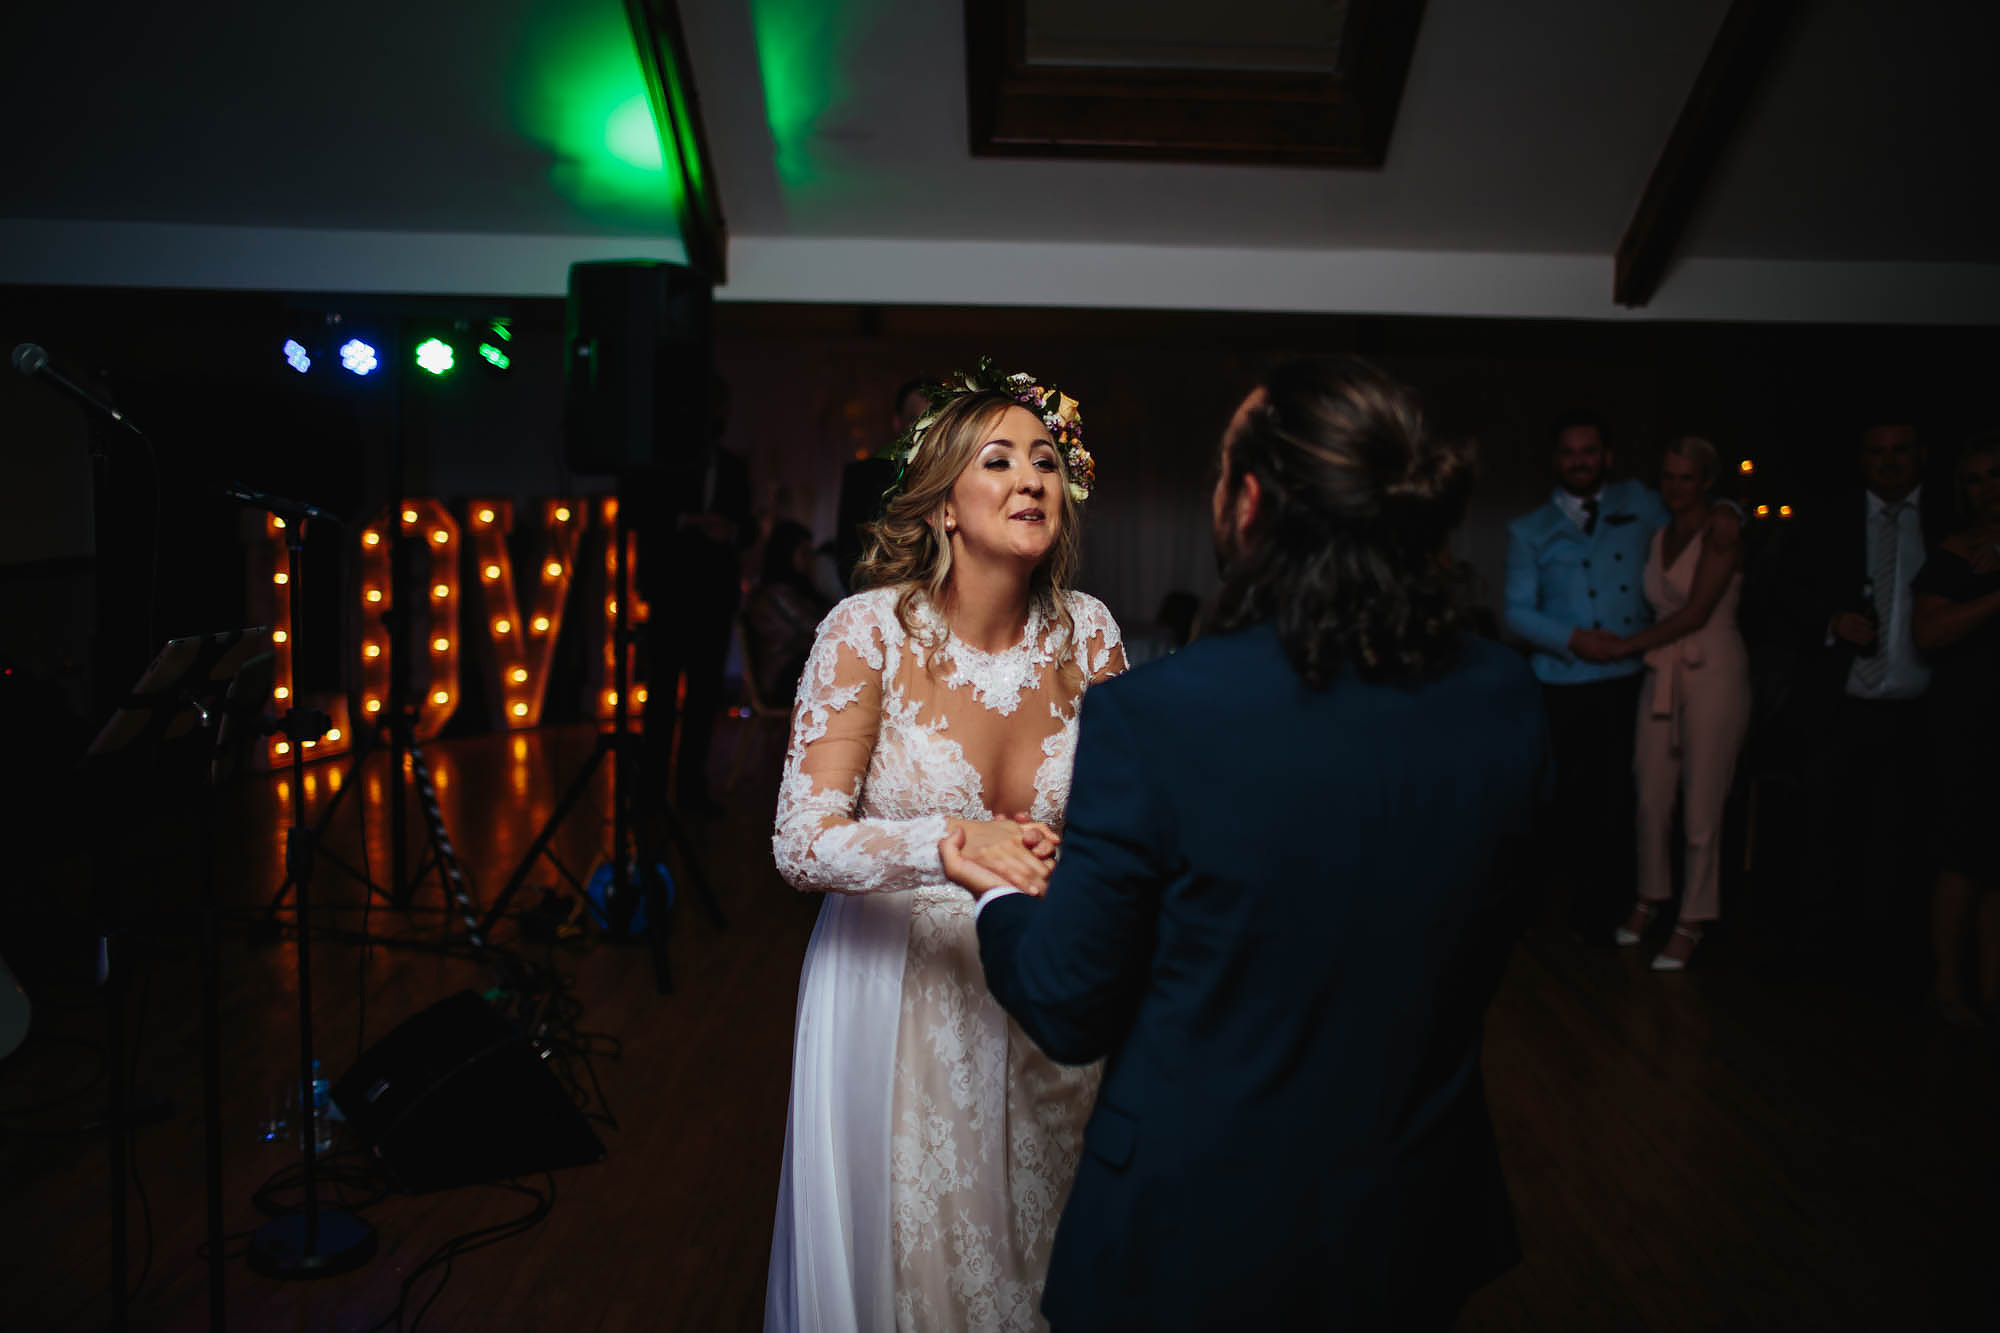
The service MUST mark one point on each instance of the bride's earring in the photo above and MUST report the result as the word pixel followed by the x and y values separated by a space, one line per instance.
pixel 951 525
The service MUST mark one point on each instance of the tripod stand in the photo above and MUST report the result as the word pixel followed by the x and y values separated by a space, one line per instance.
pixel 441 856
pixel 629 829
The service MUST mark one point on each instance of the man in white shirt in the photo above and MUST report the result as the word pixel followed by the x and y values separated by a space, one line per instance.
pixel 1858 700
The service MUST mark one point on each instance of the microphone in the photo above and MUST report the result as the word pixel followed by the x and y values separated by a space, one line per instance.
pixel 283 507
pixel 31 359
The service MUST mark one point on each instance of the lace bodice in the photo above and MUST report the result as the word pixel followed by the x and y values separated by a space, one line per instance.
pixel 894 735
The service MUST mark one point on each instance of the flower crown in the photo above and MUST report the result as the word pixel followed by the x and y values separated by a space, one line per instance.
pixel 1057 410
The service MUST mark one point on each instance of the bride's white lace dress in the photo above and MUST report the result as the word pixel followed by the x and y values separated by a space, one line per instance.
pixel 930 1146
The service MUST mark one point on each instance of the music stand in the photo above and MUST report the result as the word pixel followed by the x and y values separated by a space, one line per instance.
pixel 178 693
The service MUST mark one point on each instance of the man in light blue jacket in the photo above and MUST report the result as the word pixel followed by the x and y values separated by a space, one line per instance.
pixel 1575 570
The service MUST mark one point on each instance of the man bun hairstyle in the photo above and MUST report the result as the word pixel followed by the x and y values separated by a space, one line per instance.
pixel 1348 556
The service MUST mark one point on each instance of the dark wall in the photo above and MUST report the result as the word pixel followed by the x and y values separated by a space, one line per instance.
pixel 811 387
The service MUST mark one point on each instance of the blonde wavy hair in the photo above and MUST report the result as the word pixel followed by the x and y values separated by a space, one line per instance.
pixel 908 548
pixel 1702 454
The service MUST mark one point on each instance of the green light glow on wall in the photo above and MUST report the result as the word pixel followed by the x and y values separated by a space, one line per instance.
pixel 630 137
pixel 578 92
pixel 798 45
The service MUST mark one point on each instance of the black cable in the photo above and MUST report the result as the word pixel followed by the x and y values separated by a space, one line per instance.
pixel 445 1255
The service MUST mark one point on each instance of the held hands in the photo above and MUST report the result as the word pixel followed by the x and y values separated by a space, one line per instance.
pixel 986 854
pixel 1597 645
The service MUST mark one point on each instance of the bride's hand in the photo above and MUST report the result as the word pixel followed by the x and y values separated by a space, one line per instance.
pixel 999 847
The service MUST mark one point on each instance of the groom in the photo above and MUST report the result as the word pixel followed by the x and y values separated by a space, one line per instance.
pixel 1277 911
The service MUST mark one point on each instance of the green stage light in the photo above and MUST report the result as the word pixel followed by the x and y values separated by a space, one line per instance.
pixel 494 357
pixel 435 355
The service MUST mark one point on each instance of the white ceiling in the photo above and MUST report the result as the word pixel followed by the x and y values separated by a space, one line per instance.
pixel 388 146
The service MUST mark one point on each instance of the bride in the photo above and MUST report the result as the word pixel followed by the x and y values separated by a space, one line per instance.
pixel 930 1146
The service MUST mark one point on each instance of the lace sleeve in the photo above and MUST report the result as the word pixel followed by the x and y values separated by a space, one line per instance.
pixel 1100 647
pixel 819 845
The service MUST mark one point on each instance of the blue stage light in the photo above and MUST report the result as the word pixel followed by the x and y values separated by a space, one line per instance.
pixel 297 357
pixel 357 356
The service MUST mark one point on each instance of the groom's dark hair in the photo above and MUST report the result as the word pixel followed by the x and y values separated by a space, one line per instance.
pixel 1348 554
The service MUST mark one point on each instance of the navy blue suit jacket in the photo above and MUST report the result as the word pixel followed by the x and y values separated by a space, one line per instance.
pixel 1277 912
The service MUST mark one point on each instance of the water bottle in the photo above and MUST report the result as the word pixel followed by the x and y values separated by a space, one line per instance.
pixel 322 1113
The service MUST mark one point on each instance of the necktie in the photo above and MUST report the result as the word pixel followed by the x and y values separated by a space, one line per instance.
pixel 1884 546
pixel 1590 516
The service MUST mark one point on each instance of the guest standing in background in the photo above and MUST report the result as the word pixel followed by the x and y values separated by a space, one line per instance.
pixel 1694 705
pixel 1573 589
pixel 1857 705
pixel 782 615
pixel 864 482
pixel 1957 627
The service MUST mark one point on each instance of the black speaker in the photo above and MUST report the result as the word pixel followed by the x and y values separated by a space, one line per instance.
pixel 638 370
pixel 455 1096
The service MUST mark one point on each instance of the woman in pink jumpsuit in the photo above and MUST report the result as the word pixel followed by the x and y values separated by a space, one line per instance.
pixel 1695 704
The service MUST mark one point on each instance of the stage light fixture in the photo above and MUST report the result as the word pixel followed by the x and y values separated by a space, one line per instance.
pixel 297 357
pixel 494 357
pixel 357 356
pixel 435 355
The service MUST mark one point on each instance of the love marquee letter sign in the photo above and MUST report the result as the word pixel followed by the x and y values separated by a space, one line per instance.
pixel 476 611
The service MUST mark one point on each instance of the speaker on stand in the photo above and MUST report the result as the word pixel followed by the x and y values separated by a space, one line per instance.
pixel 636 401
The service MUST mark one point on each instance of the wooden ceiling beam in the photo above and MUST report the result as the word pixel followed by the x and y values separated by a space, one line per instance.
pixel 1736 63
pixel 663 58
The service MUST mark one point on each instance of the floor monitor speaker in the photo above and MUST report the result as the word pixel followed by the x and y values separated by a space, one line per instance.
pixel 455 1096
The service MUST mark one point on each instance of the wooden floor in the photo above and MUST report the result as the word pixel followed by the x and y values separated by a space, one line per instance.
pixel 1721 1150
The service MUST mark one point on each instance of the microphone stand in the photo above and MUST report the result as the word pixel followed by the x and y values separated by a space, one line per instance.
pixel 314 1242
